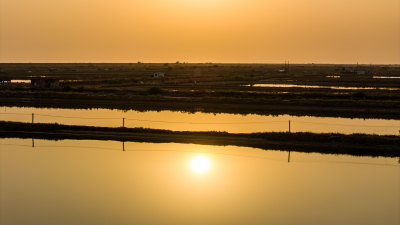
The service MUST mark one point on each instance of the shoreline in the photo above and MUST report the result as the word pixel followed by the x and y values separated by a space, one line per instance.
pixel 354 144
pixel 158 103
pixel 209 87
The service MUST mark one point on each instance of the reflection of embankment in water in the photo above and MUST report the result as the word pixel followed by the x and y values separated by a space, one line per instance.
pixel 355 144
pixel 181 121
pixel 320 87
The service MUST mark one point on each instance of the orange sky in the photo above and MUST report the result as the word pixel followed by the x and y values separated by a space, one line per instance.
pixel 246 31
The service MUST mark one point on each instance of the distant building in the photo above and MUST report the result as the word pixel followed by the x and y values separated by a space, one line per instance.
pixel 280 70
pixel 159 74
pixel 349 72
pixel 5 82
pixel 4 79
pixel 44 82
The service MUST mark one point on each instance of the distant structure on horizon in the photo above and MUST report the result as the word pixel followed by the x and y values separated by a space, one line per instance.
pixel 4 82
pixel 287 66
pixel 45 82
pixel 285 69
pixel 158 75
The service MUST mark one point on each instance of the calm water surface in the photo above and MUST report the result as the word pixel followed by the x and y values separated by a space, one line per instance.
pixel 322 87
pixel 95 182
pixel 21 81
pixel 181 121
pixel 385 77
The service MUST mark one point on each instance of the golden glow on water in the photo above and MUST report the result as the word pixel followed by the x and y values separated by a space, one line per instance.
pixel 96 182
pixel 200 164
pixel 180 121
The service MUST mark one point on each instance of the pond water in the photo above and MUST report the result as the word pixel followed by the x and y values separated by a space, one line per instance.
pixel 181 121
pixel 21 81
pixel 95 182
pixel 325 87
pixel 385 77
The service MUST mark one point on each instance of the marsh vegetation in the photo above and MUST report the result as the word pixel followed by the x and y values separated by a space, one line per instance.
pixel 211 88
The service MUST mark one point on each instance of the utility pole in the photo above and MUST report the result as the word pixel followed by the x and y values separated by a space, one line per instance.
pixel 33 117
pixel 123 122
pixel 289 126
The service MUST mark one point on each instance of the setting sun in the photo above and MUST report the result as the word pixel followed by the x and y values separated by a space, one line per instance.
pixel 200 164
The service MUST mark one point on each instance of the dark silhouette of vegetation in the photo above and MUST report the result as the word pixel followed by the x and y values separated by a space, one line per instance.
pixel 355 144
pixel 155 91
pixel 219 88
pixel 359 94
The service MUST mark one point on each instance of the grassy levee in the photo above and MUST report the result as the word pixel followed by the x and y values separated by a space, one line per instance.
pixel 226 103
pixel 355 144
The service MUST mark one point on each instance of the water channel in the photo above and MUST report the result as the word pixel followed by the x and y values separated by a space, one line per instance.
pixel 95 182
pixel 182 121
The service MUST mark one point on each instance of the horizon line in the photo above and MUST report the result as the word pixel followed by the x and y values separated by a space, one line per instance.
pixel 183 62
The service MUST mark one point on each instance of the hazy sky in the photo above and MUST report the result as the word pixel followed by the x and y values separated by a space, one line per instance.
pixel 302 31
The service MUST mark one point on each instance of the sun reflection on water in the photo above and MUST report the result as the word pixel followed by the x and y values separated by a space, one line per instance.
pixel 200 164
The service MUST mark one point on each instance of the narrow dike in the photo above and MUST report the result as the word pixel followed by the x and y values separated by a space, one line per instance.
pixel 354 144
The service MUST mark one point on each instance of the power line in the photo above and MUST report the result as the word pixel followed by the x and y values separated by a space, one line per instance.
pixel 77 117
pixel 156 121
pixel 350 125
pixel 205 123
pixel 162 121
pixel 208 152
pixel 17 113
pixel 343 162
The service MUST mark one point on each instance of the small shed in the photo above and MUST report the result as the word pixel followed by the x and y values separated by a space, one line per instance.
pixel 158 75
pixel 5 82
pixel 45 82
pixel 280 70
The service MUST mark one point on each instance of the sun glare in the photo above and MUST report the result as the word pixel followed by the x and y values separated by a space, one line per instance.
pixel 200 164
